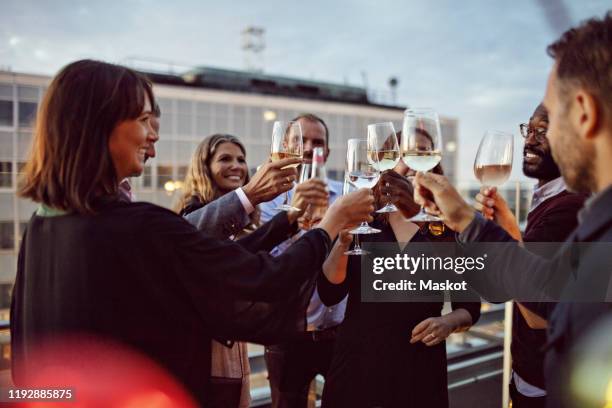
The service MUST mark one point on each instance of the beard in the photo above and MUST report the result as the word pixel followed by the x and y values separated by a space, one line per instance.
pixel 575 160
pixel 544 169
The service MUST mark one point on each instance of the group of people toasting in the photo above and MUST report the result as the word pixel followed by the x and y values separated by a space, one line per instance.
pixel 259 259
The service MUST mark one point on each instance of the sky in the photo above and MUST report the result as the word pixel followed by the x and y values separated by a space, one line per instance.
pixel 481 62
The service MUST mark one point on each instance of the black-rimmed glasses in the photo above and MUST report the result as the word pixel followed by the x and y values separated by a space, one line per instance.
pixel 539 132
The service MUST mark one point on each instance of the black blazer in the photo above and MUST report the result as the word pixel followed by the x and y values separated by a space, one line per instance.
pixel 142 276
pixel 586 275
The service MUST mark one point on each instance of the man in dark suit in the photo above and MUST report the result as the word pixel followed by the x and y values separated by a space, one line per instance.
pixel 552 217
pixel 580 133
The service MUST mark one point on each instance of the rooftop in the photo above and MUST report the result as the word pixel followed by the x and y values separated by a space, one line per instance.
pixel 265 84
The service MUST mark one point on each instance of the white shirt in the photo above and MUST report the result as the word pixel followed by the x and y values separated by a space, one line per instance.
pixel 318 316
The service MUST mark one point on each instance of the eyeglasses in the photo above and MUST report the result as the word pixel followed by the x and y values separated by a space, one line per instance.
pixel 539 132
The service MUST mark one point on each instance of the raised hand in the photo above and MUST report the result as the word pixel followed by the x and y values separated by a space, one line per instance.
pixel 494 207
pixel 400 192
pixel 271 180
pixel 348 211
pixel 439 197
pixel 312 193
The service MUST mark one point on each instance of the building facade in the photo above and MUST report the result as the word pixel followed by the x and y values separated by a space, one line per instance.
pixel 193 106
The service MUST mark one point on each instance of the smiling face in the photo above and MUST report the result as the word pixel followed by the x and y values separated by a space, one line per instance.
pixel 537 157
pixel 228 167
pixel 313 135
pixel 129 143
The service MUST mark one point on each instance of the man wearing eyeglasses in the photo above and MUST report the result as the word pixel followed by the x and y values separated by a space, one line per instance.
pixel 552 217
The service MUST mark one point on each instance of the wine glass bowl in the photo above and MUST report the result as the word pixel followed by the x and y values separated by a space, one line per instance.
pixel 362 172
pixel 286 142
pixel 421 147
pixel 384 152
pixel 493 162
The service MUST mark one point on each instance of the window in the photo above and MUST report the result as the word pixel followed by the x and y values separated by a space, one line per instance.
pixel 181 173
pixel 164 174
pixel 20 171
pixel 147 177
pixel 5 295
pixel 6 113
pixel 6 176
pixel 184 118
pixel 7 235
pixel 27 113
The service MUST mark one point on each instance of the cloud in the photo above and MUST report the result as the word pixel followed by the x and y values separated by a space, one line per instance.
pixel 14 41
pixel 481 62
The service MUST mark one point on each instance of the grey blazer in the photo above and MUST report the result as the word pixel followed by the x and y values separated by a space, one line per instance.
pixel 221 218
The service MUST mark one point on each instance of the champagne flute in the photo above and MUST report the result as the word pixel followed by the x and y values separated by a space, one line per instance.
pixel 493 162
pixel 287 142
pixel 362 173
pixel 383 137
pixel 421 147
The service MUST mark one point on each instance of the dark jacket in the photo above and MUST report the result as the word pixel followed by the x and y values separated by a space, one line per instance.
pixel 374 363
pixel 551 221
pixel 583 274
pixel 142 276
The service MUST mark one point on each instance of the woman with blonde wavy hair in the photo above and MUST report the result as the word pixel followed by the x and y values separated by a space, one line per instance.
pixel 218 166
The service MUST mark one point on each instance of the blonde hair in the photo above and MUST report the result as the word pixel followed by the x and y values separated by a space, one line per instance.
pixel 199 184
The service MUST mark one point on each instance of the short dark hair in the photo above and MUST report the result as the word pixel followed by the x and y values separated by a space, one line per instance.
pixel 584 58
pixel 314 118
pixel 70 167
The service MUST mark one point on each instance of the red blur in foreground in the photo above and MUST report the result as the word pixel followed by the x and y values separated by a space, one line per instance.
pixel 101 374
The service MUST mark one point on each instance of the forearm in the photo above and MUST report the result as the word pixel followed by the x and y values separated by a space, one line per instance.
pixel 534 321
pixel 334 267
pixel 267 236
pixel 220 218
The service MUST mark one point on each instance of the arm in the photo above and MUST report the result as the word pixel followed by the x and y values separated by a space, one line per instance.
pixel 278 229
pixel 332 283
pixel 533 320
pixel 511 271
pixel 220 218
pixel 236 293
pixel 243 295
pixel 435 330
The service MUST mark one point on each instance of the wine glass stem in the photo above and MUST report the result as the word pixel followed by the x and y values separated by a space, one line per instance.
pixel 357 247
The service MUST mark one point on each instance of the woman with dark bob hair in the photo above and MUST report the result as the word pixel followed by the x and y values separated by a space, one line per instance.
pixel 137 274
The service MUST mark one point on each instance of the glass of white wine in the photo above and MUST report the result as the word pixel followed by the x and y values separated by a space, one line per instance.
pixel 386 154
pixel 362 173
pixel 421 148
pixel 286 142
pixel 493 162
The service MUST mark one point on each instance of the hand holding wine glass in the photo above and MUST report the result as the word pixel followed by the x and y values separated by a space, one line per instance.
pixel 384 152
pixel 286 142
pixel 347 211
pixel 362 172
pixel 493 162
pixel 421 147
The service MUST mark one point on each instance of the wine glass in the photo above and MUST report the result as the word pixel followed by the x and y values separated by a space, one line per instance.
pixel 421 147
pixel 493 163
pixel 383 137
pixel 287 142
pixel 362 173
pixel 347 187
